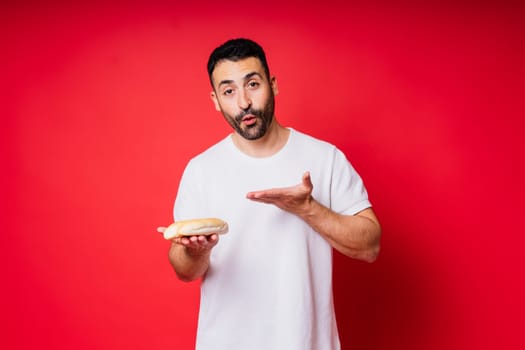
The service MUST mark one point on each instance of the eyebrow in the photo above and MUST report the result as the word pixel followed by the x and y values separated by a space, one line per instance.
pixel 246 77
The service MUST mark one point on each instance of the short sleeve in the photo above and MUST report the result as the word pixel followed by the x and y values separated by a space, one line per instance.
pixel 189 202
pixel 348 193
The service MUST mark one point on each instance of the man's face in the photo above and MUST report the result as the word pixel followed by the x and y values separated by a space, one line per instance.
pixel 244 95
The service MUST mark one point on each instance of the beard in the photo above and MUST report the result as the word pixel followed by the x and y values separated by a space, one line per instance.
pixel 263 118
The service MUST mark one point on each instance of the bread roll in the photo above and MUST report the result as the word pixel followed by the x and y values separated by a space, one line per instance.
pixel 194 227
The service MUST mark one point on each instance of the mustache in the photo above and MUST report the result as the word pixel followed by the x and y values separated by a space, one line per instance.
pixel 255 112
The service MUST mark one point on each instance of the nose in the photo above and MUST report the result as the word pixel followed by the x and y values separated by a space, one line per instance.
pixel 244 100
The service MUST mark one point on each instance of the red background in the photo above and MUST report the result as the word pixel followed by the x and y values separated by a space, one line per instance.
pixel 102 106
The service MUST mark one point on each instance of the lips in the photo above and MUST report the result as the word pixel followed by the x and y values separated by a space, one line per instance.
pixel 249 120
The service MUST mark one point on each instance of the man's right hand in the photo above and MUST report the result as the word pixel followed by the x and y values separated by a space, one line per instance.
pixel 190 256
pixel 197 245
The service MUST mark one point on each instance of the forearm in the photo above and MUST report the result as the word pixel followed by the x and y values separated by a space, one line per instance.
pixel 188 266
pixel 357 236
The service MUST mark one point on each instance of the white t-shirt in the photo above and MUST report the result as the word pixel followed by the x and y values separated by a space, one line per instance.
pixel 269 284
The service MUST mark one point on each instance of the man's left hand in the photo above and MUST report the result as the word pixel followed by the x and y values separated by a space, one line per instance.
pixel 295 199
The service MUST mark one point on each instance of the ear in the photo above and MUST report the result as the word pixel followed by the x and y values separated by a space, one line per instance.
pixel 213 97
pixel 273 84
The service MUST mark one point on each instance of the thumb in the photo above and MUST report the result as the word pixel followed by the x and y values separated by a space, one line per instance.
pixel 307 181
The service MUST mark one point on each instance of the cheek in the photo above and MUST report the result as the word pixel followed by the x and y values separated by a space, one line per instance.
pixel 221 106
pixel 259 99
pixel 227 110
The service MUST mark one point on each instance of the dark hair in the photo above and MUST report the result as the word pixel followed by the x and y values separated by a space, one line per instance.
pixel 235 50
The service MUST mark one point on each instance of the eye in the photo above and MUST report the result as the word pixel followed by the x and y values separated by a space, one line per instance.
pixel 253 84
pixel 227 92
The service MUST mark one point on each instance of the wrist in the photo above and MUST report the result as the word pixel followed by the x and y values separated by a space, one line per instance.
pixel 310 208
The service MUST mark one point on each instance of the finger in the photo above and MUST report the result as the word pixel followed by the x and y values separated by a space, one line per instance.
pixel 194 241
pixel 258 196
pixel 161 229
pixel 269 194
pixel 212 240
pixel 201 242
pixel 264 200
pixel 254 195
pixel 307 180
pixel 205 242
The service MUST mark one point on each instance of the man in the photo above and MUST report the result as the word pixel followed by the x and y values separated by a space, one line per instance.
pixel 288 198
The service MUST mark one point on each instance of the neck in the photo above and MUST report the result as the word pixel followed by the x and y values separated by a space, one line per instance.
pixel 272 142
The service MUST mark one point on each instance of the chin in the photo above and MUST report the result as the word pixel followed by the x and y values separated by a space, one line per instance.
pixel 253 134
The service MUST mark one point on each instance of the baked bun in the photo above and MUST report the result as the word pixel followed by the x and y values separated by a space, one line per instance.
pixel 196 227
